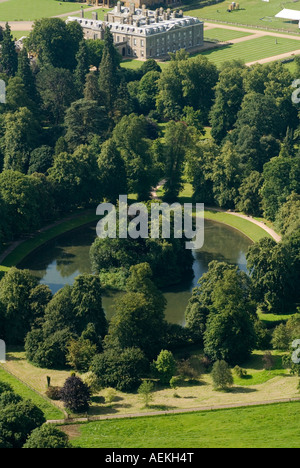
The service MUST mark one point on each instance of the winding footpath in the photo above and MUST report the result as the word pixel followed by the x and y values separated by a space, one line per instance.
pixel 261 224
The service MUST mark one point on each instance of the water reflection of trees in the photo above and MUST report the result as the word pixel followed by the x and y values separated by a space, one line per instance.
pixel 69 253
pixel 222 243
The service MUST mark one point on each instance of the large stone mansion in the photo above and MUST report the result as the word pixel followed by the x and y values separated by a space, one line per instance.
pixel 141 33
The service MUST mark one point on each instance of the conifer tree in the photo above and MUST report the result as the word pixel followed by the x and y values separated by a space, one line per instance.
pixel 25 73
pixel 9 56
pixel 82 68
pixel 91 89
pixel 108 77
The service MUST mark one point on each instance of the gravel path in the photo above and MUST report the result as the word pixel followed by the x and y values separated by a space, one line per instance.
pixel 169 412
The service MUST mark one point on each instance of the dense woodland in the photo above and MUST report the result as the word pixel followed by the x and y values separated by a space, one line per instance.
pixel 77 129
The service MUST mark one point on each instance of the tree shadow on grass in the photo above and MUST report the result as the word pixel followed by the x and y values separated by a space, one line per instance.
pixel 161 407
pixel 102 410
pixel 242 390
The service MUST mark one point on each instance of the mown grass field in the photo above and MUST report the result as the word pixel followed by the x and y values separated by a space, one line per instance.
pixel 251 13
pixel 247 51
pixel 30 10
pixel 223 35
pixel 271 426
pixel 252 50
pixel 49 410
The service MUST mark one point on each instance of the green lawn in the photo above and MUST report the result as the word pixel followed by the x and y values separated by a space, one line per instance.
pixel 30 10
pixel 252 50
pixel 101 13
pixel 254 232
pixel 271 426
pixel 19 34
pixel 248 51
pixel 251 13
pixel 50 411
pixel 223 35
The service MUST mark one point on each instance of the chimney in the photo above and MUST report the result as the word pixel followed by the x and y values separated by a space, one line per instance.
pixel 132 9
pixel 119 7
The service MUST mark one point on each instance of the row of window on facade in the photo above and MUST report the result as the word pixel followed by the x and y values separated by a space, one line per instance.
pixel 160 51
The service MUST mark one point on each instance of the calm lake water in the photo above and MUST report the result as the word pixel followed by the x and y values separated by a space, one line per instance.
pixel 59 261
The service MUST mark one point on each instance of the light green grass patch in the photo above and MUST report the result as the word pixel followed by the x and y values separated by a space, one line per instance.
pixel 251 13
pixel 50 411
pixel 31 10
pixel 256 374
pixel 18 34
pixel 224 34
pixel 255 427
pixel 252 50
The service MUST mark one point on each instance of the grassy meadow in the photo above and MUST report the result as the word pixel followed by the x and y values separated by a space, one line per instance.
pixel 50 411
pixel 251 13
pixel 31 10
pixel 271 426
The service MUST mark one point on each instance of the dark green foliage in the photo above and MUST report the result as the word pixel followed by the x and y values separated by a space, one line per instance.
pixel 221 312
pixel 74 315
pixel 15 304
pixel 82 67
pixel 41 159
pixel 229 96
pixel 74 178
pixel 5 387
pixel 83 120
pixel 112 172
pixel 281 178
pixel 57 90
pixel 18 420
pixel 275 271
pixel 249 199
pixel 131 138
pixel 169 261
pixel 25 72
pixel 9 56
pixel 108 76
pixel 55 42
pixel 120 369
pixel 47 437
pixel 176 143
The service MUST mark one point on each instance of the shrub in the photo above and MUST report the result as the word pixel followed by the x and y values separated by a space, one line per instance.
pixel 54 393
pixel 165 366
pixel 145 391
pixel 268 360
pixel 91 380
pixel 110 395
pixel 80 354
pixel 239 372
pixel 221 375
